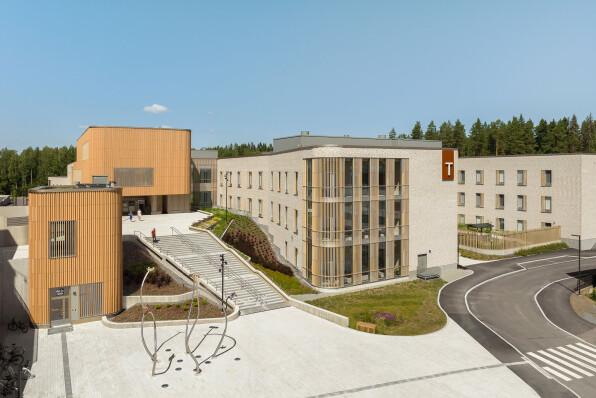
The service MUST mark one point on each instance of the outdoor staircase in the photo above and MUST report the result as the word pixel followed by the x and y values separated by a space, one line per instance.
pixel 200 253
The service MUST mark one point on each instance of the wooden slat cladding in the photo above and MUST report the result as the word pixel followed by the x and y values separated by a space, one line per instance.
pixel 98 246
pixel 166 151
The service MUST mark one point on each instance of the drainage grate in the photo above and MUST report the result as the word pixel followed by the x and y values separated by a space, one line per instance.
pixel 178 368
pixel 164 385
pixel 236 359
pixel 180 360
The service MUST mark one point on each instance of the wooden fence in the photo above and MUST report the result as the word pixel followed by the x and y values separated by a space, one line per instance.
pixel 509 240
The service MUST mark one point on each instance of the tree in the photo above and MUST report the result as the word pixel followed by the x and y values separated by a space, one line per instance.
pixel 544 139
pixel 514 138
pixel 560 134
pixel 431 132
pixel 478 143
pixel 528 139
pixel 574 137
pixel 587 133
pixel 459 136
pixel 416 132
pixel 446 134
pixel 392 133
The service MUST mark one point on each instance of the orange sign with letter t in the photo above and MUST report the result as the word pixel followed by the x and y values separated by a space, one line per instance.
pixel 448 165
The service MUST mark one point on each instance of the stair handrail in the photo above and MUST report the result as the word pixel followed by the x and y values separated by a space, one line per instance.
pixel 231 273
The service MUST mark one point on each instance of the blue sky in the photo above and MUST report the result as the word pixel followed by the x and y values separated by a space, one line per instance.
pixel 237 71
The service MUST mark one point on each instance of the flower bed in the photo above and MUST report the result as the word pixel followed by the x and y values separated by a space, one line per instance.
pixel 168 312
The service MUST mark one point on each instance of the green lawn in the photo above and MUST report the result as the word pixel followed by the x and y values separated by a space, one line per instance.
pixel 221 214
pixel 289 284
pixel 409 308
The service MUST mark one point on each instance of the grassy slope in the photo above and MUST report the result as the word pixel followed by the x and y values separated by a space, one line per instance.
pixel 415 301
pixel 289 284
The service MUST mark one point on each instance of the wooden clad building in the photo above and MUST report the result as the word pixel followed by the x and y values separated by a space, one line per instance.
pixel 151 164
pixel 75 253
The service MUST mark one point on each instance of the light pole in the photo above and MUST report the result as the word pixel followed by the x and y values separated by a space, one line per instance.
pixel 226 178
pixel 579 261
pixel 223 262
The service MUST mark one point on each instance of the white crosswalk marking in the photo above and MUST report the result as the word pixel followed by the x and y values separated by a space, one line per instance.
pixel 554 365
pixel 575 354
pixel 567 362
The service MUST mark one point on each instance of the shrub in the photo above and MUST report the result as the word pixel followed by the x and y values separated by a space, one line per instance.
pixel 195 304
pixel 177 305
pixel 168 305
pixel 203 301
pixel 158 306
pixel 185 308
pixel 542 249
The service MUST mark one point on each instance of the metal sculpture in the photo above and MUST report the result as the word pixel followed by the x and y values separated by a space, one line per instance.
pixel 145 312
pixel 187 334
pixel 223 335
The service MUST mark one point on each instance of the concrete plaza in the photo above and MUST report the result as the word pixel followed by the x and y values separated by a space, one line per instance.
pixel 161 223
pixel 281 353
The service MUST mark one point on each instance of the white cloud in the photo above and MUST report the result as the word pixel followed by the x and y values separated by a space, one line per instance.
pixel 165 127
pixel 82 126
pixel 155 108
pixel 210 113
pixel 212 131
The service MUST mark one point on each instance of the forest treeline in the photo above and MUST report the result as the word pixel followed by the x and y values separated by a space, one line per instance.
pixel 32 167
pixel 234 150
pixel 514 137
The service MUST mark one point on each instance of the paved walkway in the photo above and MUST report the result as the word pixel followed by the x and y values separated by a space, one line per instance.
pixel 161 223
pixel 285 353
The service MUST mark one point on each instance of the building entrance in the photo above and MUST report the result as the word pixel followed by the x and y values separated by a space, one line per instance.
pixel 59 306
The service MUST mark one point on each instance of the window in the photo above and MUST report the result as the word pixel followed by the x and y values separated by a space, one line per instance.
pixel 140 177
pixel 249 179
pixel 500 177
pixel 238 202
pixel 382 176
pixel 382 213
pixel 229 178
pixel 286 182
pixel 271 211
pixel 205 198
pixel 296 183
pixel 249 207
pixel 272 181
pixel 221 200
pixel 230 203
pixel 461 199
pixel 238 178
pixel 100 180
pixel 500 202
pixel 205 174
pixel 296 222
pixel 348 220
pixel 365 261
pixel 501 224
pixel 461 219
pixel 462 177
pixel 296 257
pixel 279 181
pixel 479 177
pixel 546 204
pixel 365 173
pixel 521 202
pixel 221 179
pixel 286 255
pixel 521 225
pixel 479 219
pixel 260 208
pixel 62 241
pixel 278 214
pixel 286 217
pixel 348 176
pixel 479 200
pixel 546 224
pixel 260 180
pixel 521 178
pixel 547 178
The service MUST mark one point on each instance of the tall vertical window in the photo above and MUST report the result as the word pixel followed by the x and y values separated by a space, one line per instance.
pixel 221 179
pixel 348 277
pixel 461 199
pixel 260 208
pixel 271 211
pixel 296 183
pixel 278 214
pixel 278 181
pixel 272 181
pixel 521 202
pixel 205 174
pixel 365 263
pixel 462 177
pixel 500 202
pixel 461 219
pixel 365 215
pixel 382 177
pixel 349 164
pixel 479 219
pixel 239 179
pixel 260 180
pixel 546 204
pixel 521 178
pixel 62 242
pixel 250 179
pixel 397 217
pixel 296 221
pixel 249 207
pixel 382 261
pixel 479 177
pixel 286 182
pixel 397 258
pixel 500 177
pixel 521 225
pixel 365 172
pixel 286 217
pixel 238 202
pixel 501 224
pixel 348 223
pixel 547 178
pixel 382 213
pixel 479 200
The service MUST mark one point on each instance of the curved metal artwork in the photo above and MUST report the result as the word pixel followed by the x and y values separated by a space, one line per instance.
pixel 145 312
pixel 223 335
pixel 187 334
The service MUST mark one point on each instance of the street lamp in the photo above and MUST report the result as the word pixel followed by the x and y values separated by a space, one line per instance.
pixel 579 261
pixel 226 178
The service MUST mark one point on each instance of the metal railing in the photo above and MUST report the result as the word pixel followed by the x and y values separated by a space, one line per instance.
pixel 231 273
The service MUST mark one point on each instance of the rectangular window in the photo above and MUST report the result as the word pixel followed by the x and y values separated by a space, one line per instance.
pixel 260 208
pixel 62 238
pixel 521 202
pixel 348 176
pixel 286 217
pixel 382 174
pixel 260 180
pixel 479 200
pixel 296 183
pixel 501 224
pixel 462 177
pixel 500 202
pixel 221 200
pixel 230 203
pixel 278 214
pixel 249 179
pixel 365 215
pixel 382 213
pixel 461 199
pixel 205 174
pixel 521 225
pixel 521 178
pixel 348 280
pixel 365 263
pixel 461 219
pixel 221 179
pixel 296 222
pixel 238 178
pixel 546 204
pixel 103 180
pixel 286 182
pixel 546 224
pixel 129 177
pixel 479 177
pixel 279 181
pixel 238 201
pixel 500 177
pixel 272 181
pixel 365 173
pixel 249 207
pixel 348 221
pixel 547 178
pixel 382 261
pixel 271 211
pixel 479 219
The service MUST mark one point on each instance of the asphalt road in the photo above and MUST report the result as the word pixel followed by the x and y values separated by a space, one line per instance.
pixel 497 306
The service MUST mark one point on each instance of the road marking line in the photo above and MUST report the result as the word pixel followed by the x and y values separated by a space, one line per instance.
pixel 577 355
pixel 587 347
pixel 544 259
pixel 582 351
pixel 577 369
pixel 572 359
pixel 554 365
pixel 554 372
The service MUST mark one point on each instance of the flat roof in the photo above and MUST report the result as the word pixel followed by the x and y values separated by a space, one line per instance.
pixel 130 127
pixel 526 155
pixel 203 154
pixel 307 140
pixel 74 188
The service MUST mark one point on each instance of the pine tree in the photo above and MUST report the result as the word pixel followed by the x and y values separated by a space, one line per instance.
pixel 392 134
pixel 431 132
pixel 574 137
pixel 514 137
pixel 446 134
pixel 561 134
pixel 587 133
pixel 477 139
pixel 529 139
pixel 459 136
pixel 416 132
